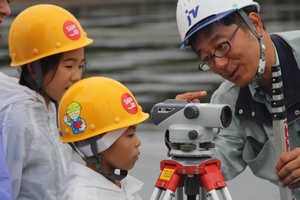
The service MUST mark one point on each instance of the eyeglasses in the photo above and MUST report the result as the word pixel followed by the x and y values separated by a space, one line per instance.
pixel 221 50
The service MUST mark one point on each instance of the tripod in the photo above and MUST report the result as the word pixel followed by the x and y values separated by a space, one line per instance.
pixel 194 174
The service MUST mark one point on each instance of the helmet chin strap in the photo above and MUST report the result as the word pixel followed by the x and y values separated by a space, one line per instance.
pixel 38 84
pixel 262 61
pixel 96 159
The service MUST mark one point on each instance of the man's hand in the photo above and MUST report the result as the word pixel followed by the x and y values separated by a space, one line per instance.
pixel 287 169
pixel 191 96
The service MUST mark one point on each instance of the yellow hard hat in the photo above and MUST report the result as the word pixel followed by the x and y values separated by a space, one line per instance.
pixel 105 105
pixel 43 30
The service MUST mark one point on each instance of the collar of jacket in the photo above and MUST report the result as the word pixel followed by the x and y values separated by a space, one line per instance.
pixel 291 86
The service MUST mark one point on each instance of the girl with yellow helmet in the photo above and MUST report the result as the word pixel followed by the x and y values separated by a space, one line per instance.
pixel 104 116
pixel 47 43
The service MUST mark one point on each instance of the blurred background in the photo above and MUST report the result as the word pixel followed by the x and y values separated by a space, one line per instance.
pixel 136 42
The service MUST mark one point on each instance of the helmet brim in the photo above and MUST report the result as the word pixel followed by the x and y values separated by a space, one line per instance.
pixel 203 24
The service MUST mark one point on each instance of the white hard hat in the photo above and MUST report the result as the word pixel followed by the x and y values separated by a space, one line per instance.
pixel 193 15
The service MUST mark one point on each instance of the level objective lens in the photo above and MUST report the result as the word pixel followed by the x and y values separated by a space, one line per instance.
pixel 226 116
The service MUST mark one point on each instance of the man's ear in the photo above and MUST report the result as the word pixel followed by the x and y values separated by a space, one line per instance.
pixel 256 21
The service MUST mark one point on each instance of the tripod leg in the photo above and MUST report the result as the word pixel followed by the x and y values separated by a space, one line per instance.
pixel 168 180
pixel 225 193
pixel 179 193
pixel 213 180
pixel 192 186
pixel 213 195
pixel 156 194
pixel 202 194
pixel 169 195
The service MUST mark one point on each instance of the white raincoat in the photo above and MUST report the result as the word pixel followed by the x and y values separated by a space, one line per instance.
pixel 82 183
pixel 5 181
pixel 36 159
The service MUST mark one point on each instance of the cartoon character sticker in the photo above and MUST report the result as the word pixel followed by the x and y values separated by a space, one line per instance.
pixel 76 122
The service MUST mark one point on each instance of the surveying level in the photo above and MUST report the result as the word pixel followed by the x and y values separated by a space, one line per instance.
pixel 191 167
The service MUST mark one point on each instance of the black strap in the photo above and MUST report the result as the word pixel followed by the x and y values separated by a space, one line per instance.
pixel 168 143
pixel 38 85
pixel 95 160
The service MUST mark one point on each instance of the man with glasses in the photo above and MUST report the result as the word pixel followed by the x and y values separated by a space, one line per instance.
pixel 230 39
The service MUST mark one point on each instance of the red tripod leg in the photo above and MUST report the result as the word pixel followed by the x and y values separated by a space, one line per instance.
pixel 212 179
pixel 168 180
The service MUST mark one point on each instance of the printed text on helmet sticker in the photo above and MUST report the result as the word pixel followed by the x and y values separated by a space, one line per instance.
pixel 71 30
pixel 129 103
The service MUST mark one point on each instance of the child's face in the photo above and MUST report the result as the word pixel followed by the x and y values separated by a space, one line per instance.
pixel 123 153
pixel 69 71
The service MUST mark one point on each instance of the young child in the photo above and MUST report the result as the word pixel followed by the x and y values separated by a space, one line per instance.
pixel 46 43
pixel 98 117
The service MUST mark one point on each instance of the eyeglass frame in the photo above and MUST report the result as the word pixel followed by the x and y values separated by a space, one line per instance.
pixel 211 58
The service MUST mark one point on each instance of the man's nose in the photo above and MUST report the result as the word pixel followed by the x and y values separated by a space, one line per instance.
pixel 221 63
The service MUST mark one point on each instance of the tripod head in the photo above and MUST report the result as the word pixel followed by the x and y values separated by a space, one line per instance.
pixel 191 127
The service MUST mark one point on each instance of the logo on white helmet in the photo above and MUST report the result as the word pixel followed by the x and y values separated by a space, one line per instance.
pixel 191 14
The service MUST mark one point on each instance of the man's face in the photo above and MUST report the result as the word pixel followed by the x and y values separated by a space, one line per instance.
pixel 239 65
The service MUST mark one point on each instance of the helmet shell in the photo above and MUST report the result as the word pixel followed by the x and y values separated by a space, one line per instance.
pixel 43 30
pixel 193 15
pixel 96 105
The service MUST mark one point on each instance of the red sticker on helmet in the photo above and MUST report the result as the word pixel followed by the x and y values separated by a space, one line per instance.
pixel 129 103
pixel 71 30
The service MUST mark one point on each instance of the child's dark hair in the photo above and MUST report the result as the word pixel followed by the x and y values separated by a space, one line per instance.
pixel 48 63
